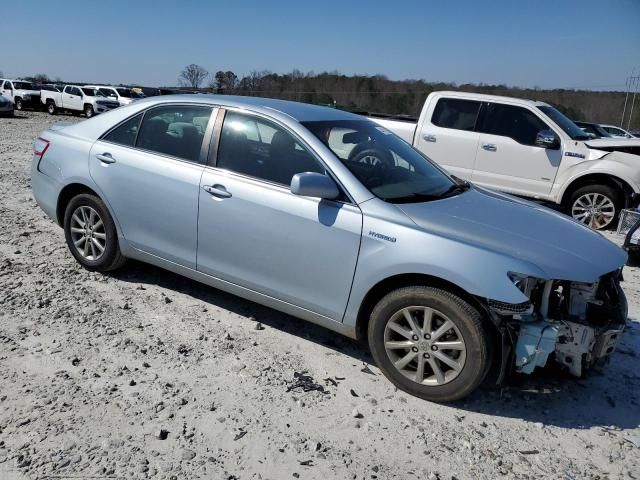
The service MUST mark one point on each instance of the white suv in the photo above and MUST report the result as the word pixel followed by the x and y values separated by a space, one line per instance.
pixel 123 95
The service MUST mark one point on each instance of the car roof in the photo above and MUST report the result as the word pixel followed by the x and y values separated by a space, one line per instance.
pixel 491 98
pixel 301 112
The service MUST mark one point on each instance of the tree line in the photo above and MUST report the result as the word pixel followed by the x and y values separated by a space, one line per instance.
pixel 379 94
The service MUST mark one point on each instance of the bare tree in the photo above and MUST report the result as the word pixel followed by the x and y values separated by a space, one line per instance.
pixel 192 76
pixel 224 80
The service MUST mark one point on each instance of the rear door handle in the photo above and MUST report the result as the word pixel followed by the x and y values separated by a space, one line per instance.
pixel 429 138
pixel 490 147
pixel 105 158
pixel 217 190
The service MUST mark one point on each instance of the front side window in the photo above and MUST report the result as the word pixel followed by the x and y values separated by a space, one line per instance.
pixel 514 122
pixel 456 113
pixel 567 125
pixel 174 130
pixel 387 165
pixel 258 148
pixel 126 133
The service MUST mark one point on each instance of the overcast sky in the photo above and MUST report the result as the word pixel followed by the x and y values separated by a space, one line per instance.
pixel 591 44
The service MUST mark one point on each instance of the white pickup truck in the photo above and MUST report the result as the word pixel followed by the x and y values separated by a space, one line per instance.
pixel 77 100
pixel 20 92
pixel 526 148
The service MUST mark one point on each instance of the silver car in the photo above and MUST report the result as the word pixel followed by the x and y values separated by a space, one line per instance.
pixel 329 217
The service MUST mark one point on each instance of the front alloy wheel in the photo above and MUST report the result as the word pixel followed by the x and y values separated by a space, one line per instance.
pixel 430 342
pixel 425 345
pixel 595 210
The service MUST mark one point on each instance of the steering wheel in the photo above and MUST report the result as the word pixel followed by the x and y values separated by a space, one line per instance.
pixel 375 158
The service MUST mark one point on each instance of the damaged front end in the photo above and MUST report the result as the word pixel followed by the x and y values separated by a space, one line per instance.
pixel 578 325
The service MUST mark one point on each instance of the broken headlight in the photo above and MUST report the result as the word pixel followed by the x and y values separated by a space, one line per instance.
pixel 524 283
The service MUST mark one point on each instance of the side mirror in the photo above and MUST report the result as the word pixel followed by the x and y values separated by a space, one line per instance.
pixel 547 139
pixel 311 184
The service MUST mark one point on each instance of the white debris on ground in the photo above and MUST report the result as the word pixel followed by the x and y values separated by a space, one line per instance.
pixel 145 374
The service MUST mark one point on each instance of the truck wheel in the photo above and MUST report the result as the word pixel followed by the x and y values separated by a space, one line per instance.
pixel 429 343
pixel 51 108
pixel 596 206
pixel 18 104
pixel 91 234
pixel 88 111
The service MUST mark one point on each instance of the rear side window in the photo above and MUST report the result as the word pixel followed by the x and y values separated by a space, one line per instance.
pixel 514 122
pixel 126 133
pixel 174 130
pixel 456 113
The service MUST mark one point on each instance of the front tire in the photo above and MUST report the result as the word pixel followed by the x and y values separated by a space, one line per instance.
pixel 51 108
pixel 88 111
pixel 596 206
pixel 19 105
pixel 429 343
pixel 91 234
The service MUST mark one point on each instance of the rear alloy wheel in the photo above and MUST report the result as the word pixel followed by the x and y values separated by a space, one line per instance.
pixel 19 104
pixel 51 108
pixel 429 343
pixel 88 111
pixel 91 234
pixel 596 206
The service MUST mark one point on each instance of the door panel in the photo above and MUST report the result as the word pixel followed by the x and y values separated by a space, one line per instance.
pixel 154 198
pixel 447 135
pixel 508 158
pixel 516 168
pixel 297 249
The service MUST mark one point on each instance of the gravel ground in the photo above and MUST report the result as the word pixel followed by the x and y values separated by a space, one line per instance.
pixel 143 373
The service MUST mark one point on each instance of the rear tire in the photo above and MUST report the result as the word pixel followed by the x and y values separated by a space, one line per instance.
pixel 596 206
pixel 88 111
pixel 51 108
pixel 91 234
pixel 440 356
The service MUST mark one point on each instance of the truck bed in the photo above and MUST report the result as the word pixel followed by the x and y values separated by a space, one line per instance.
pixel 401 125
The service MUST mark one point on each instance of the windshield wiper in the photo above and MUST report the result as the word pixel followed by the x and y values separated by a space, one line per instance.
pixel 425 197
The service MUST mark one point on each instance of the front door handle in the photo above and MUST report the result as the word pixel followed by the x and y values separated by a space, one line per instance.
pixel 489 147
pixel 105 158
pixel 217 190
pixel 429 138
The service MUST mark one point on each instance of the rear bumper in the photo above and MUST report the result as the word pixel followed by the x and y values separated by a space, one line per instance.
pixel 46 191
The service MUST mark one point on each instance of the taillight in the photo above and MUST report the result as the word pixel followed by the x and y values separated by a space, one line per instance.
pixel 40 146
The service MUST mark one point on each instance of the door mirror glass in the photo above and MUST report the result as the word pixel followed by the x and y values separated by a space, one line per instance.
pixel 311 184
pixel 547 139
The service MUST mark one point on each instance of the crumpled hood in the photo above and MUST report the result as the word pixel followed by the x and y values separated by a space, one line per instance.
pixel 556 244
pixel 612 142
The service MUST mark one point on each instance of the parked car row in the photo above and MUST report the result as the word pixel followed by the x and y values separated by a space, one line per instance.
pixel 522 147
pixel 88 99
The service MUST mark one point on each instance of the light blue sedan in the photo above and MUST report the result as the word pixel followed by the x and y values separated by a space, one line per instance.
pixel 329 217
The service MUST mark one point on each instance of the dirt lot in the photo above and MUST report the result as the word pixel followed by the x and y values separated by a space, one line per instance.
pixel 143 373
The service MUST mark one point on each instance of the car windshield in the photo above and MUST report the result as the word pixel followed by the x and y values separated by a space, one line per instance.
pixel 388 166
pixel 93 92
pixel 23 85
pixel 107 92
pixel 566 124
pixel 124 92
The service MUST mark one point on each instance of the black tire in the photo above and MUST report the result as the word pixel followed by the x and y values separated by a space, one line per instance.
pixel 19 105
pixel 51 108
pixel 88 111
pixel 469 323
pixel 614 195
pixel 111 258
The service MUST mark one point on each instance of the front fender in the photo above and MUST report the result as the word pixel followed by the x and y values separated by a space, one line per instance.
pixel 618 165
pixel 476 270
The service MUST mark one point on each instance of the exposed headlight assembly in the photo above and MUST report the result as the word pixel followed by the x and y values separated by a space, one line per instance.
pixel 524 283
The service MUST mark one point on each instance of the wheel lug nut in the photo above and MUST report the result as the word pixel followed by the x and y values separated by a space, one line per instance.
pixel 434 347
pixel 414 349
pixel 415 337
pixel 427 336
pixel 426 355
